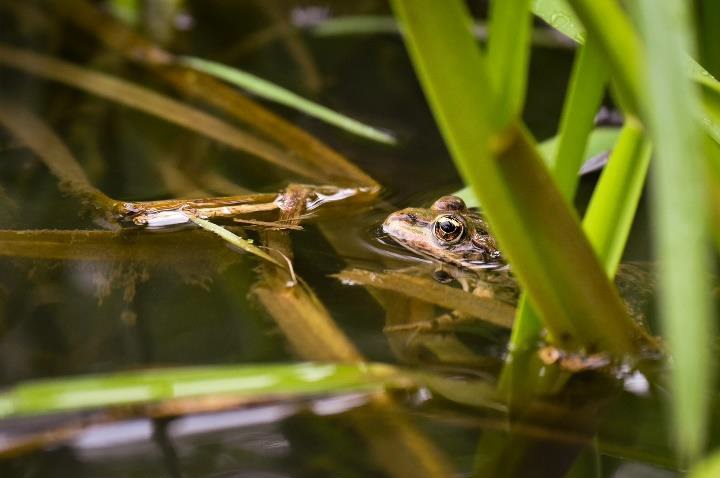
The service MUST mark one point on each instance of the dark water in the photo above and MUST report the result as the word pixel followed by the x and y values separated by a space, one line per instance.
pixel 64 318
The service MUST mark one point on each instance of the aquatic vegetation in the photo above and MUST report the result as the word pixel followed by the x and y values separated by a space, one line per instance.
pixel 183 239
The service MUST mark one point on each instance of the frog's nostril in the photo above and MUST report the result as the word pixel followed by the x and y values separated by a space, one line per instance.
pixel 412 218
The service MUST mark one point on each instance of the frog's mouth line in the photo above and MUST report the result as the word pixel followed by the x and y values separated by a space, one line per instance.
pixel 387 240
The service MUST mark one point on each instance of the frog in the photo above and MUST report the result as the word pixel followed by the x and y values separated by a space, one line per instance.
pixel 460 241
pixel 447 232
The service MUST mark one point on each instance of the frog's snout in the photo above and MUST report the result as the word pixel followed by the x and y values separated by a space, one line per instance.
pixel 397 220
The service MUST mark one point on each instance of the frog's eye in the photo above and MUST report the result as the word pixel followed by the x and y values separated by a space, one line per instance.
pixel 448 229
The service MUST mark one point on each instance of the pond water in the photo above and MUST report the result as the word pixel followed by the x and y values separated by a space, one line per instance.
pixel 72 307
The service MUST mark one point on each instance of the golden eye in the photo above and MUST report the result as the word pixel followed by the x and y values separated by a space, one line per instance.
pixel 448 229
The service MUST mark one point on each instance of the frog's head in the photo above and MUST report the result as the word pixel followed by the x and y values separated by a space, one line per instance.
pixel 446 232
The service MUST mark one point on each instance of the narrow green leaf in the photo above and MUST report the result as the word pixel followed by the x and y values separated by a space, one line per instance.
pixel 234 239
pixel 680 217
pixel 278 94
pixel 97 391
pixel 610 214
pixel 711 105
pixel 712 149
pixel 587 86
pixel 508 54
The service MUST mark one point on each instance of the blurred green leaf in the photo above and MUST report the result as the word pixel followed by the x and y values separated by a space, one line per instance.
pixel 96 391
pixel 272 92
pixel 672 102
pixel 708 468
pixel 356 25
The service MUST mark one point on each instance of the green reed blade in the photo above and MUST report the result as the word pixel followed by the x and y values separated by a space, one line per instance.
pixel 587 84
pixel 508 54
pixel 712 149
pixel 272 92
pixel 680 216
pixel 126 388
pixel 611 211
pixel 711 107
pixel 585 92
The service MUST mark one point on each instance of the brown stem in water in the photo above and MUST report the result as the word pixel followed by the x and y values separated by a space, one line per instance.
pixel 148 101
pixel 33 132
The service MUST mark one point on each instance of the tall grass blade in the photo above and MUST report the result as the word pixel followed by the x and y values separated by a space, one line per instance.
pixel 611 211
pixel 272 92
pixel 680 217
pixel 711 104
pixel 508 54
pixel 587 84
pixel 713 154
